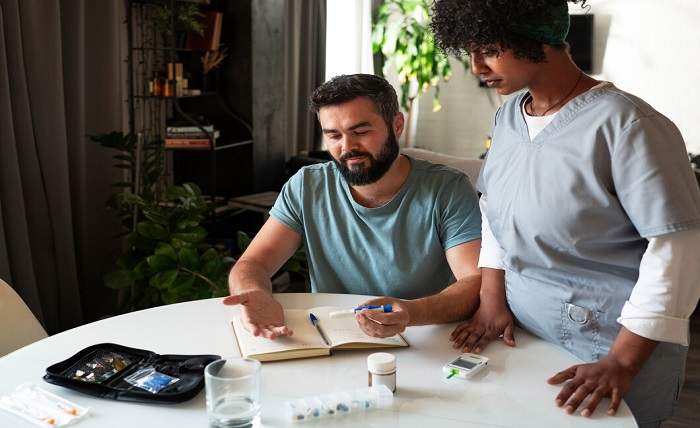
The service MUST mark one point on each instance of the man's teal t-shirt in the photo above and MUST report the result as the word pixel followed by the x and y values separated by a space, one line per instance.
pixel 397 249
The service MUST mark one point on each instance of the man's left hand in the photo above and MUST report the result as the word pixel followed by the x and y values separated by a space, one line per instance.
pixel 605 378
pixel 384 324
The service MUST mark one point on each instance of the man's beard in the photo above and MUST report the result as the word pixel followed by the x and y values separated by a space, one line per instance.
pixel 360 175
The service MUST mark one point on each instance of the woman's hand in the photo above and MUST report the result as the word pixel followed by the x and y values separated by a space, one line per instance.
pixel 609 377
pixel 490 322
pixel 605 378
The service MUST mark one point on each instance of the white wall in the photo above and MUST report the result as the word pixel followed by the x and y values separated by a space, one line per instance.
pixel 653 51
pixel 460 128
pixel 650 48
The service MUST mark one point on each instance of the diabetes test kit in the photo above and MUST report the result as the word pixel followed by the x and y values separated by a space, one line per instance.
pixel 117 372
pixel 465 366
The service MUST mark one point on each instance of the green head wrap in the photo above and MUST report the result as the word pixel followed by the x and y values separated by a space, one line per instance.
pixel 552 31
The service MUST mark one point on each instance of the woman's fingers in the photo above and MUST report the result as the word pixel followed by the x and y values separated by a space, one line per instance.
pixel 615 401
pixel 566 391
pixel 482 343
pixel 597 395
pixel 472 339
pixel 461 337
pixel 460 328
pixel 577 397
pixel 562 376
pixel 508 336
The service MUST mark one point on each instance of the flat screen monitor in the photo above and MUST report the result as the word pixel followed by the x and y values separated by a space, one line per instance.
pixel 580 39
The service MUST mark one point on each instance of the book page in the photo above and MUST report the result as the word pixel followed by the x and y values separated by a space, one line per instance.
pixel 305 336
pixel 344 330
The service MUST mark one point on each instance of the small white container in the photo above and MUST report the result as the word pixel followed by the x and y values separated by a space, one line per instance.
pixel 339 403
pixel 381 370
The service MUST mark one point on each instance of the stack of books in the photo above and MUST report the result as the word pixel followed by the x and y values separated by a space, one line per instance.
pixel 189 137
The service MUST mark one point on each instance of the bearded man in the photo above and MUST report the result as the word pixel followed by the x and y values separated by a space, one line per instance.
pixel 372 222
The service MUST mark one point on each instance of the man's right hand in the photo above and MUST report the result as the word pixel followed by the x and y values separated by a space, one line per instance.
pixel 261 314
pixel 488 323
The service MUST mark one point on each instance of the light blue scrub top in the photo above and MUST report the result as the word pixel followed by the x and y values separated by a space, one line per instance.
pixel 397 249
pixel 571 210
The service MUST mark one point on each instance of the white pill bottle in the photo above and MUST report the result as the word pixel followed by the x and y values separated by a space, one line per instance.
pixel 381 370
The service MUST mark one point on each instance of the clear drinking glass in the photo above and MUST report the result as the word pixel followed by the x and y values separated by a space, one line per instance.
pixel 233 392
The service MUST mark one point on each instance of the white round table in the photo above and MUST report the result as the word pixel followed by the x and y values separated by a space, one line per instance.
pixel 511 392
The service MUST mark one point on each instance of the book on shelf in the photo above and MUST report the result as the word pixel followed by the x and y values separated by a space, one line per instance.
pixel 211 38
pixel 306 341
pixel 186 143
pixel 172 143
pixel 187 129
pixel 192 135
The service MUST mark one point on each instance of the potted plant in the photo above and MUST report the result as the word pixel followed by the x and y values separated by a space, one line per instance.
pixel 402 36
pixel 187 19
pixel 166 256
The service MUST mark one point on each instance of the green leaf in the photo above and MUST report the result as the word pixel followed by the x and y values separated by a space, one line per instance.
pixel 156 216
pixel 142 271
pixel 188 223
pixel 193 189
pixel 119 279
pixel 292 266
pixel 163 280
pixel 189 258
pixel 209 255
pixel 160 263
pixel 184 282
pixel 179 243
pixel 169 297
pixel 176 192
pixel 213 268
pixel 166 250
pixel 152 230
pixel 192 235
pixel 243 241
pixel 130 198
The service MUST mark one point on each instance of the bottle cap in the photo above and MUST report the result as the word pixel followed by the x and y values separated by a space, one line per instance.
pixel 381 362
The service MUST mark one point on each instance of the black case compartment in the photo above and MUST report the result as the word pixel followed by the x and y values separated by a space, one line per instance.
pixel 188 368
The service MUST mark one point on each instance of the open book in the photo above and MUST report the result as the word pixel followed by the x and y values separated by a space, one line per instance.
pixel 342 333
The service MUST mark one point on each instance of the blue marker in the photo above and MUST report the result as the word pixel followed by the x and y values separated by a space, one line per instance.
pixel 347 312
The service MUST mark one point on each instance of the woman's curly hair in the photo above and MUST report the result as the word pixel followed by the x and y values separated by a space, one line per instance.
pixel 460 26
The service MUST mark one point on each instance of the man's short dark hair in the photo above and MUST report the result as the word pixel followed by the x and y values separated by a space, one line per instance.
pixel 460 26
pixel 347 87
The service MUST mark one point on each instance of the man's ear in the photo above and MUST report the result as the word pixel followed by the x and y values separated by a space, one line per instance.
pixel 398 125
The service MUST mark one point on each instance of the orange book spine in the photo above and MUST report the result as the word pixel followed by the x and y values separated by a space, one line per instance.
pixel 186 144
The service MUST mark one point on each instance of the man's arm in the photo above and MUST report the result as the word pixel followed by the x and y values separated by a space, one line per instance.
pixel 249 280
pixel 459 300
pixel 274 244
pixel 455 302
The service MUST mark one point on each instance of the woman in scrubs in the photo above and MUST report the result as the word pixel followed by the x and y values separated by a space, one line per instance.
pixel 591 213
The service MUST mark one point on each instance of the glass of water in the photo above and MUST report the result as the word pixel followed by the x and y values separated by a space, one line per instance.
pixel 233 392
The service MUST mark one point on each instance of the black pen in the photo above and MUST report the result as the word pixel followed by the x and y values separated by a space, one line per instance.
pixel 314 321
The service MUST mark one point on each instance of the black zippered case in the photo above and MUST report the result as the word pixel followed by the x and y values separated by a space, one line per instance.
pixel 100 370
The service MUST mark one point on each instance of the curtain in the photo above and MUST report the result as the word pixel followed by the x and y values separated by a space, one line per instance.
pixel 60 79
pixel 305 70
